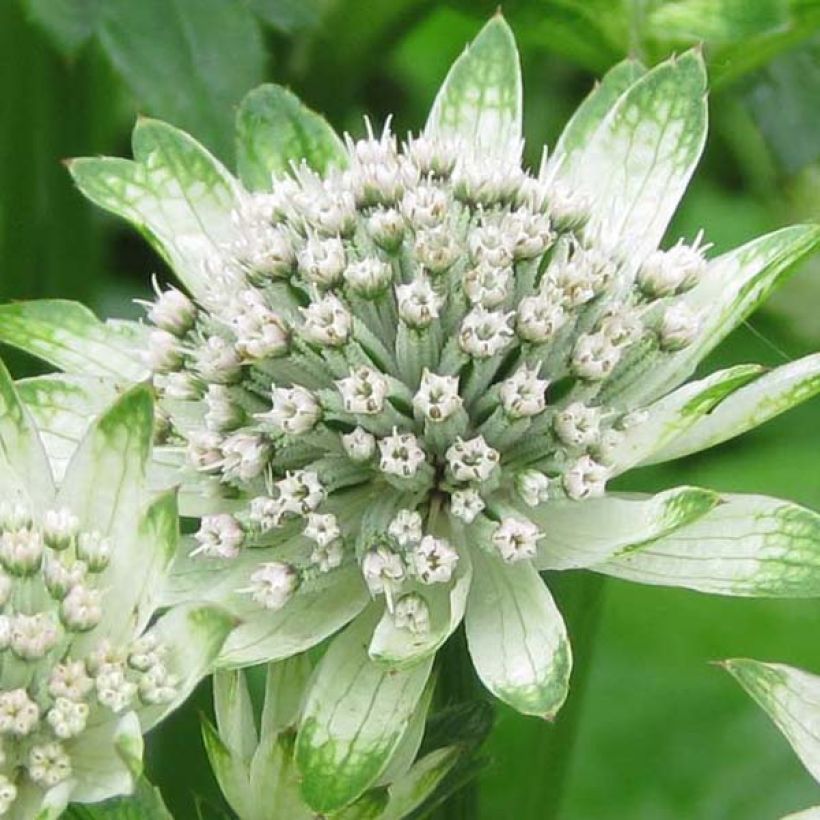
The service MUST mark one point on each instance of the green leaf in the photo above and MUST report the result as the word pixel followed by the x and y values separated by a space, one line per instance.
pixel 446 602
pixel 275 782
pixel 69 336
pixel 189 61
pixel 354 718
pixel 145 804
pixel 669 417
pixel 516 636
pixel 733 285
pixel 782 99
pixel 275 129
pixel 589 115
pixel 106 759
pixel 410 791
pixel 580 534
pixel 194 634
pixel 69 23
pixel 480 100
pixel 289 16
pixel 746 408
pixel 791 698
pixel 636 166
pixel 175 193
pixel 234 713
pixel 231 771
pixel 716 21
pixel 749 545
pixel 24 467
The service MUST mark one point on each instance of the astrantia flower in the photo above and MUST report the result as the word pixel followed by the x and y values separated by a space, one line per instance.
pixel 84 671
pixel 408 370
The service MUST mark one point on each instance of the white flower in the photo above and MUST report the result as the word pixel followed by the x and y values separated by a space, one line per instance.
pixel 369 277
pixel 434 560
pixel 437 398
pixel 219 536
pixel 382 570
pixel 484 333
pixel 172 311
pixel 406 527
pixel 466 504
pixel 471 460
pixel 412 613
pixel 585 479
pixel 516 539
pixel 418 303
pixel 323 529
pixel 400 454
pixel 523 394
pixel 363 391
pixel 322 261
pixel 327 321
pixel 678 327
pixel 359 445
pixel 533 487
pixel 578 425
pixel 294 410
pixel 273 584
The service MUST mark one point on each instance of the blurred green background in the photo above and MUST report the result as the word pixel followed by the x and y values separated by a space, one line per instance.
pixel 651 729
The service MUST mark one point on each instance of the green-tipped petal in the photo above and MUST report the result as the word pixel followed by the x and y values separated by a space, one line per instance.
pixel 580 534
pixel 636 166
pixel 516 636
pixel 791 698
pixel 175 192
pixel 230 770
pixel 63 407
pixel 234 712
pixel 748 545
pixel 194 634
pixel 285 685
pixel 480 100
pixel 69 336
pixel 446 603
pixel 354 718
pixel 25 472
pixel 106 759
pixel 264 635
pixel 274 130
pixel 746 408
pixel 589 115
pixel 410 791
pixel 669 417
pixel 733 285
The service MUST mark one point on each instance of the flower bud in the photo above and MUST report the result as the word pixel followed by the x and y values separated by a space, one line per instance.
pixel 412 614
pixel 678 327
pixel 400 454
pixel 173 312
pixel 294 410
pixel 406 528
pixel 369 277
pixel 533 487
pixel 516 539
pixel 466 504
pixel 322 261
pixel 471 460
pixel 94 549
pixel 437 398
pixel 434 560
pixel 359 445
pixel 219 536
pixel 386 227
pixel 364 391
pixel 60 528
pixel 273 584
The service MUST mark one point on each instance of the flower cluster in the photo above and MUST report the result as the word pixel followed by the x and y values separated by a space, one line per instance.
pixel 398 325
pixel 84 670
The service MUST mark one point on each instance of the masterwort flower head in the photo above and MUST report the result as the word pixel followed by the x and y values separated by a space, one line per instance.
pixel 407 372
pixel 86 668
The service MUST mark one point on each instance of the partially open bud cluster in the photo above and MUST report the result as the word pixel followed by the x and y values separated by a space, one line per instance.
pixel 56 677
pixel 392 331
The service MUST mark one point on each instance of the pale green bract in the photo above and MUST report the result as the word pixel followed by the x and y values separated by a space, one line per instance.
pixel 791 698
pixel 405 373
pixel 255 757
pixel 87 667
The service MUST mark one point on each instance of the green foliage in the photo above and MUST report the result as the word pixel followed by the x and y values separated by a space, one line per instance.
pixel 145 804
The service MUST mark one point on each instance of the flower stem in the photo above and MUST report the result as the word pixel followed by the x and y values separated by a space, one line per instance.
pixel 579 596
pixel 457 684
